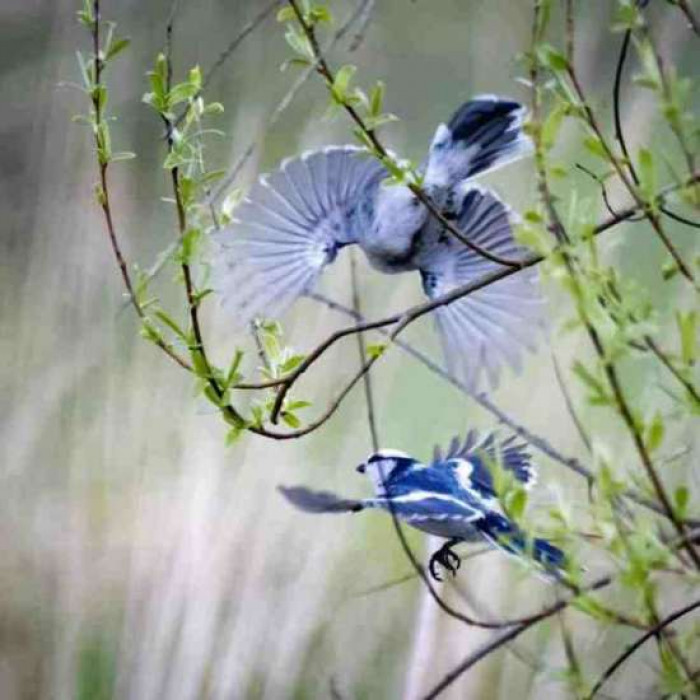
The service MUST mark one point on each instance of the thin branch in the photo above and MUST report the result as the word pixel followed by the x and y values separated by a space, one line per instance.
pixel 692 18
pixel 665 360
pixel 246 30
pixel 364 21
pixel 570 404
pixel 631 187
pixel 286 100
pixel 367 379
pixel 603 190
pixel 653 632
pixel 500 640
pixel 619 133
pixel 104 195
pixel 325 71
pixel 198 348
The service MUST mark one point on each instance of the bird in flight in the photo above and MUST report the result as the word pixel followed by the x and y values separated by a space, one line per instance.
pixel 453 497
pixel 295 220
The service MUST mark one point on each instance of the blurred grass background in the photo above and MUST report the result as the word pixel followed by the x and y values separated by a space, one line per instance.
pixel 140 558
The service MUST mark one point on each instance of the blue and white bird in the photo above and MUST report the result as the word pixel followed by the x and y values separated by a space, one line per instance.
pixel 295 220
pixel 452 497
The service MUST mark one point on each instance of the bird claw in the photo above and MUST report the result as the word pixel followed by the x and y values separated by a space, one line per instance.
pixel 446 558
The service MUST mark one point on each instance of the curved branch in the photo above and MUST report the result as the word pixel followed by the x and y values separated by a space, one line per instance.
pixel 653 632
pixel 619 134
pixel 500 640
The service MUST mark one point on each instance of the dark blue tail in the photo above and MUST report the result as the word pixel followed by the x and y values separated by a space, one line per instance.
pixel 509 537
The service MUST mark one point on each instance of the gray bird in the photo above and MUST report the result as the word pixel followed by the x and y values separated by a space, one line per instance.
pixel 294 221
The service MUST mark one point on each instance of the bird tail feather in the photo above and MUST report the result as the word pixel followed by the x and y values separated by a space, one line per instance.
pixel 482 135
pixel 508 537
pixel 312 501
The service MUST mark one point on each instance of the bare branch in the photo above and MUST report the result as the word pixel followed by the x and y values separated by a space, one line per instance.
pixel 286 100
pixel 500 640
pixel 654 631
pixel 247 29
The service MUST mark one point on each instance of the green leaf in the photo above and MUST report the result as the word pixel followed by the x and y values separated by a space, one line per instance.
pixel 341 83
pixel 234 434
pixel 515 502
pixel 189 243
pixel 655 433
pixel 552 124
pixel 291 363
pixel 687 329
pixel 376 99
pixel 376 350
pixel 290 419
pixel 591 607
pixel 286 14
pixel 647 174
pixel 296 61
pixel 299 42
pixel 171 323
pixel 150 332
pixel 199 364
pixel 123 155
pixel 681 498
pixel 593 383
pixel 595 146
pixel 116 47
pixel 85 15
pixel 195 78
pixel 181 93
pixel 320 13
pixel 552 58
pixel 296 405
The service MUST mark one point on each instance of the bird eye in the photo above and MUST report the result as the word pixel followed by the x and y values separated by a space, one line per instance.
pixel 361 468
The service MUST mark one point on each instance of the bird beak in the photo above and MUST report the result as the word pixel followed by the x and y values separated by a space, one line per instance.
pixel 360 468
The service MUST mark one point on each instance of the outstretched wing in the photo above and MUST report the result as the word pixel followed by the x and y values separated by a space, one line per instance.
pixel 291 224
pixel 488 328
pixel 471 462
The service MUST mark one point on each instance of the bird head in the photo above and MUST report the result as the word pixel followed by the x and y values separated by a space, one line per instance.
pixel 380 465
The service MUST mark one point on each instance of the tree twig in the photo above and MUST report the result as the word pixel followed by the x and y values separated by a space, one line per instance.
pixel 654 631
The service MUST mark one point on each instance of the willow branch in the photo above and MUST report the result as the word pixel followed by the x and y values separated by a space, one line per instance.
pixel 104 194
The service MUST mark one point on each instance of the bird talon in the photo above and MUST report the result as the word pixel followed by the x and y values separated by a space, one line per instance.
pixel 446 558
